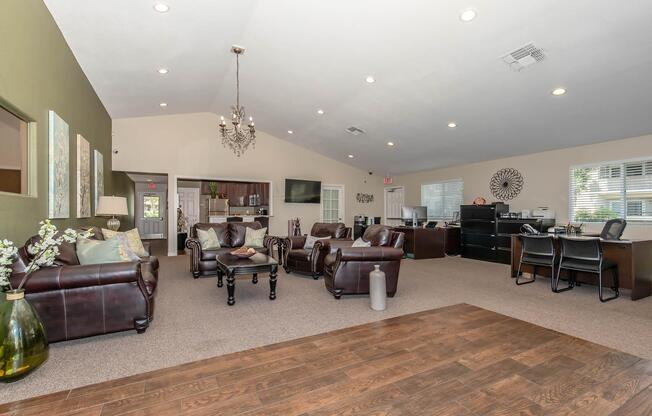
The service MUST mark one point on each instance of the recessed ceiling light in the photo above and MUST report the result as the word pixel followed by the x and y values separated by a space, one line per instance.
pixel 163 104
pixel 163 71
pixel 559 91
pixel 290 132
pixel 370 79
pixel 350 156
pixel 390 143
pixel 452 125
pixel 467 15
pixel 320 111
pixel 161 7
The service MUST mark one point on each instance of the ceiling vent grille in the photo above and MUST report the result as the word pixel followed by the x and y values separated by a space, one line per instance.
pixel 354 130
pixel 523 57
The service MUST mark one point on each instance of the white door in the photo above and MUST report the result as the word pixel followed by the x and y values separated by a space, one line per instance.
pixel 151 214
pixel 332 203
pixel 189 203
pixel 394 200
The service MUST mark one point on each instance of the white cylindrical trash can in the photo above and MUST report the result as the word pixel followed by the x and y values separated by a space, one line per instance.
pixel 377 289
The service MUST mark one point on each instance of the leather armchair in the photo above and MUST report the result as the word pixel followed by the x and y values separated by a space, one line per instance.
pixel 346 268
pixel 231 235
pixel 311 261
pixel 76 301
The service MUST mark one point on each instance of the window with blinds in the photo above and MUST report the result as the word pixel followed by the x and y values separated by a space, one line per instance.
pixel 443 199
pixel 611 190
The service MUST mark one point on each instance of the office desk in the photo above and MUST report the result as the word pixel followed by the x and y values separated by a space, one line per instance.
pixel 429 243
pixel 633 257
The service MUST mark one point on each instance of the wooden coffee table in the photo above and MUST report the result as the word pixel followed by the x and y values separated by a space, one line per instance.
pixel 230 265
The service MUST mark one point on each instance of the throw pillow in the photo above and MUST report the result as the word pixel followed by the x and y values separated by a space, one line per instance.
pixel 255 238
pixel 361 243
pixel 311 240
pixel 98 251
pixel 208 239
pixel 126 253
pixel 133 237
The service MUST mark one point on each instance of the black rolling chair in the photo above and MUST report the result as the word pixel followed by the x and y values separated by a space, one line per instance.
pixel 233 219
pixel 585 255
pixel 613 229
pixel 537 251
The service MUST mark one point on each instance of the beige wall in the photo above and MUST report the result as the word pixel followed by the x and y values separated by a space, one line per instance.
pixel 546 177
pixel 189 146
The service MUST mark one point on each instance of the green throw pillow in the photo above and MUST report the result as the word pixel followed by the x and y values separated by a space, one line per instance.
pixel 208 239
pixel 98 251
pixel 255 238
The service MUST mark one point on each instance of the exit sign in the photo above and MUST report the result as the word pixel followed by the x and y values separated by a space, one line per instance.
pixel 151 185
pixel 387 180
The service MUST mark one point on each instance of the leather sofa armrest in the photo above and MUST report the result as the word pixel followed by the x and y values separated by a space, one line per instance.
pixel 370 253
pixel 70 277
pixel 195 255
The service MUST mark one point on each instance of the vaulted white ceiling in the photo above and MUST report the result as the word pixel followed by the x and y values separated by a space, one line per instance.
pixel 431 68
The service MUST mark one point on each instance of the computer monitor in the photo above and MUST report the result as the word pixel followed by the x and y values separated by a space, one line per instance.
pixel 410 213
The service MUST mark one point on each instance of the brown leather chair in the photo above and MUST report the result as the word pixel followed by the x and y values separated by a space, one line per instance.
pixel 346 268
pixel 75 301
pixel 311 261
pixel 231 235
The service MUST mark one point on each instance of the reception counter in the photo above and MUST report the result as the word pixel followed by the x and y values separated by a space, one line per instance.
pixel 633 257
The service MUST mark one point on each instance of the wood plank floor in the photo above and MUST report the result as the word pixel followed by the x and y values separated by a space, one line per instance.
pixel 459 360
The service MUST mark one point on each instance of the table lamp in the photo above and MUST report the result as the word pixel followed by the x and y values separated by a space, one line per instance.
pixel 112 206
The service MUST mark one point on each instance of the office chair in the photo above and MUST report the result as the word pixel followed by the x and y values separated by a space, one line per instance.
pixel 613 229
pixel 585 255
pixel 233 219
pixel 537 251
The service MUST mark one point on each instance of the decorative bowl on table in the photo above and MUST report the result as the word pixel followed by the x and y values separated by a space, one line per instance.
pixel 243 252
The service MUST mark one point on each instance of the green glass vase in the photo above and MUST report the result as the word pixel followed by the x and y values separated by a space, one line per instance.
pixel 23 343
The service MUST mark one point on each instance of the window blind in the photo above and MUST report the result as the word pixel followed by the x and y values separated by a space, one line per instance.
pixel 443 199
pixel 611 190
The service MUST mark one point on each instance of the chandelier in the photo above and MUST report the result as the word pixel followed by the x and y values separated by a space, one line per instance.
pixel 238 138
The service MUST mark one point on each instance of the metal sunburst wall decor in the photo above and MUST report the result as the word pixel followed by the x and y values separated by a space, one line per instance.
pixel 506 184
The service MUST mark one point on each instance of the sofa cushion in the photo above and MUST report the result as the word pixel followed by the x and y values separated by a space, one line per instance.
pixel 255 238
pixel 221 230
pixel 238 230
pixel 334 230
pixel 98 251
pixel 359 242
pixel 208 239
pixel 377 235
pixel 133 236
pixel 211 254
pixel 300 254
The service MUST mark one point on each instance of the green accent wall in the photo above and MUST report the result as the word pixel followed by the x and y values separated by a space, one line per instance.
pixel 38 72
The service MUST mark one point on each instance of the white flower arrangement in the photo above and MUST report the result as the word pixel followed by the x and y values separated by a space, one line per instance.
pixel 44 251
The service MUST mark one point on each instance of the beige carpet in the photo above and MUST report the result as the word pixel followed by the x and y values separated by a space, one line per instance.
pixel 193 321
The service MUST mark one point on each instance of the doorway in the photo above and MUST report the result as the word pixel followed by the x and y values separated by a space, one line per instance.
pixel 151 214
pixel 332 203
pixel 394 200
pixel 189 203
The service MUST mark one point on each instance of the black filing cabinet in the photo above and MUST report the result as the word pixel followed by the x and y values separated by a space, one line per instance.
pixel 479 231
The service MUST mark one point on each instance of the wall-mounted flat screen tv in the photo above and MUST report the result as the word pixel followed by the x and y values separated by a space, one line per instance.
pixel 302 192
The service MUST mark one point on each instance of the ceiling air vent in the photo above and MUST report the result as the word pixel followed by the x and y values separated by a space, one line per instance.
pixel 354 130
pixel 523 57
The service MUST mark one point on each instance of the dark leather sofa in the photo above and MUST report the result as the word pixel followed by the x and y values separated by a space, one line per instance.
pixel 75 301
pixel 311 261
pixel 231 235
pixel 346 268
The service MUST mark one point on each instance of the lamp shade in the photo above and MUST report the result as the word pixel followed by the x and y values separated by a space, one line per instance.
pixel 112 205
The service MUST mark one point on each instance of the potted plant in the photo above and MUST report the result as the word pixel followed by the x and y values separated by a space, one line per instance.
pixel 23 342
pixel 213 188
